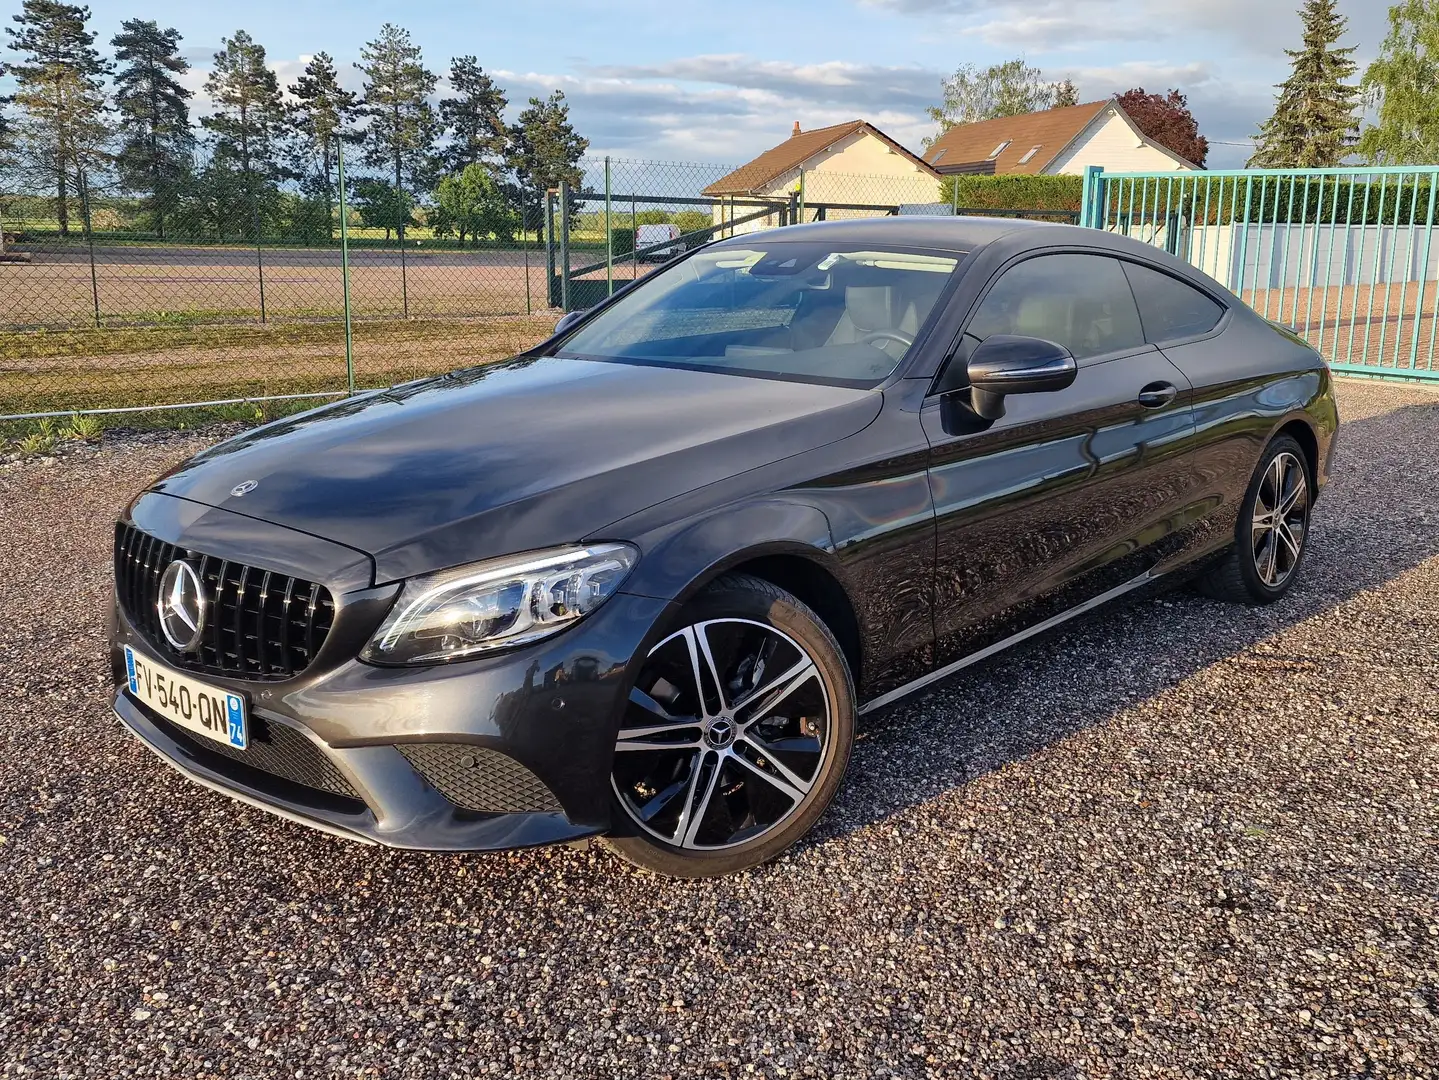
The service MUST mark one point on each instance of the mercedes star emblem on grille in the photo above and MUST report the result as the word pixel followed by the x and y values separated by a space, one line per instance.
pixel 182 605
pixel 244 488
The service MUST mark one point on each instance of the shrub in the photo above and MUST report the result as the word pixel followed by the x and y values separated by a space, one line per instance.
pixel 1014 192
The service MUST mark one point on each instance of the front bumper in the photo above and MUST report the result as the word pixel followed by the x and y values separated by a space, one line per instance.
pixel 377 754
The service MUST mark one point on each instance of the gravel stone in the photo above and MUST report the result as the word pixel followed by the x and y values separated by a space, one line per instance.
pixel 1179 839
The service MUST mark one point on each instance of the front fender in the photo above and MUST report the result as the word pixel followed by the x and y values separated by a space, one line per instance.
pixel 680 558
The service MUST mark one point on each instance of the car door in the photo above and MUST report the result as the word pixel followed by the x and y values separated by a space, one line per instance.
pixel 1070 494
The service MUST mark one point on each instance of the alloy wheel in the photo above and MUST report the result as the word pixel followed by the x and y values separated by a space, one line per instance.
pixel 726 732
pixel 1281 519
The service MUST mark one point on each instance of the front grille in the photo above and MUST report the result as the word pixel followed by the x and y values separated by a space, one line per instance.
pixel 475 778
pixel 276 749
pixel 258 624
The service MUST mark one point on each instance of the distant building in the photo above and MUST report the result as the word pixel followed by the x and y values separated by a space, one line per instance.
pixel 1057 141
pixel 852 163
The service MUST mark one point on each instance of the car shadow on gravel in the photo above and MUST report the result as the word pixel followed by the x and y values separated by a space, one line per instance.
pixel 1372 524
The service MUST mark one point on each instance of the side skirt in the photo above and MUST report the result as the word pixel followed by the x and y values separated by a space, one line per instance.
pixel 1014 639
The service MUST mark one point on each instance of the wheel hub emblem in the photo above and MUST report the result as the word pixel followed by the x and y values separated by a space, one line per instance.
pixel 182 605
pixel 720 733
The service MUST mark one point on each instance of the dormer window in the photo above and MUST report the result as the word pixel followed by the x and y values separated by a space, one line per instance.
pixel 939 154
pixel 1028 154
pixel 999 149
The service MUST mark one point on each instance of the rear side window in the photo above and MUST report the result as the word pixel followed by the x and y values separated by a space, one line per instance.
pixel 1168 308
pixel 1082 302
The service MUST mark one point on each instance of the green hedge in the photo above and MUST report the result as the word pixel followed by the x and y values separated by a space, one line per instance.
pixel 1225 200
pixel 1014 192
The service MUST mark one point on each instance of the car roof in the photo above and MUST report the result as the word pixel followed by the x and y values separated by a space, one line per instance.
pixel 960 234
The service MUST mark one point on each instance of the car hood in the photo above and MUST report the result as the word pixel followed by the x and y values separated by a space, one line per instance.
pixel 510 457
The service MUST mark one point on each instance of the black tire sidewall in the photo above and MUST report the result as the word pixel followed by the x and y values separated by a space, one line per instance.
pixel 750 598
pixel 1244 530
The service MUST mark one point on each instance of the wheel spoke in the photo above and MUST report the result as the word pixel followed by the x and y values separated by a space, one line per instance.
pixel 772 693
pixel 653 707
pixel 680 789
pixel 1290 501
pixel 1265 558
pixel 694 814
pixel 1287 536
pixel 642 738
pixel 787 782
pixel 703 640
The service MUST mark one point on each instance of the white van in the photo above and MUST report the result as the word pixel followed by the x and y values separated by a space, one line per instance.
pixel 649 235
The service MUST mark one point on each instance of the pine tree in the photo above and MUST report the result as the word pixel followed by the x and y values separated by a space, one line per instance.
pixel 546 149
pixel 1066 95
pixel 321 114
pixel 158 143
pixel 61 96
pixel 1402 85
pixel 248 119
pixel 402 127
pixel 474 118
pixel 1314 120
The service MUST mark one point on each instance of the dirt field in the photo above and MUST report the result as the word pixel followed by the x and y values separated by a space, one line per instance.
pixel 158 285
pixel 1376 325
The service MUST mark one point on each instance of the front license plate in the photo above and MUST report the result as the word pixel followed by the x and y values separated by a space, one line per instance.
pixel 206 710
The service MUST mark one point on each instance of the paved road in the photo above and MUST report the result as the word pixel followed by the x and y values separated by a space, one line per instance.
pixel 1181 840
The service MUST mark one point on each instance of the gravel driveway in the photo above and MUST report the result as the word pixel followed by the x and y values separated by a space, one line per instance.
pixel 1179 840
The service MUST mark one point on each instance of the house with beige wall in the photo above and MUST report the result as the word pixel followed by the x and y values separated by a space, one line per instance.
pixel 1056 141
pixel 853 163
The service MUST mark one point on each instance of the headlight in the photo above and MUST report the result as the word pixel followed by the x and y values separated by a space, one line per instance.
pixel 498 603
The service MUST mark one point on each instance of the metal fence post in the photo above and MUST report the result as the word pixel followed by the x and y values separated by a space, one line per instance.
pixel 564 245
pixel 800 220
pixel 259 254
pixel 90 242
pixel 400 232
pixel 525 249
pixel 1090 197
pixel 345 269
pixel 954 196
pixel 609 236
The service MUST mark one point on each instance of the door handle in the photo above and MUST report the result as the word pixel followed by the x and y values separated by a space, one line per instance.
pixel 1158 394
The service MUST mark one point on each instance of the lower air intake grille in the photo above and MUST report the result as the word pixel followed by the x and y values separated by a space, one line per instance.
pixel 479 779
pixel 275 749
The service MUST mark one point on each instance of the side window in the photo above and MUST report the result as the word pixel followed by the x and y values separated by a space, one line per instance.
pixel 1168 308
pixel 1083 302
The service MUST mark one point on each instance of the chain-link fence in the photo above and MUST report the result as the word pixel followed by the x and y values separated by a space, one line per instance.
pixel 243 297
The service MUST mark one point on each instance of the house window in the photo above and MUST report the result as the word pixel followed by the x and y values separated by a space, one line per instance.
pixel 935 160
pixel 999 149
pixel 1029 154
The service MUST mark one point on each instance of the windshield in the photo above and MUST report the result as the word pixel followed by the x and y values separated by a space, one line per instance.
pixel 795 310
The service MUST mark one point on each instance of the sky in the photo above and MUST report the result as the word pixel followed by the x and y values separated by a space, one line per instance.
pixel 675 80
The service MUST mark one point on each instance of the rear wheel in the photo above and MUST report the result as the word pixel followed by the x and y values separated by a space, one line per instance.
pixel 736 736
pixel 1272 533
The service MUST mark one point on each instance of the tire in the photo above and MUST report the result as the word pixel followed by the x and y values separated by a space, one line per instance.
pixel 708 782
pixel 1245 574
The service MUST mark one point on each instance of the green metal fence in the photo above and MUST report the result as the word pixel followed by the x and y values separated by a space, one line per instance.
pixel 1346 256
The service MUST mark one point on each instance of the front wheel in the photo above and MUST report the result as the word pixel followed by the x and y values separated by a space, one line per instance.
pixel 736 735
pixel 1272 533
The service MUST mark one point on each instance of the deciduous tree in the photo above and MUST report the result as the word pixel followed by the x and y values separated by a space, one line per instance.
pixel 472 204
pixel 1166 119
pixel 60 93
pixel 1314 123
pixel 158 143
pixel 1402 87
pixel 1012 88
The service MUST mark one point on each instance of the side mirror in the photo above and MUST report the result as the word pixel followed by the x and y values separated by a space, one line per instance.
pixel 568 319
pixel 1005 364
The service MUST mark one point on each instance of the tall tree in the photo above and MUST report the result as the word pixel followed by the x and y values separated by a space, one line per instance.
pixel 248 119
pixel 1166 119
pixel 158 143
pixel 1012 88
pixel 402 127
pixel 61 96
pixel 1402 86
pixel 474 118
pixel 322 113
pixel 1313 125
pixel 546 149
pixel 1066 95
